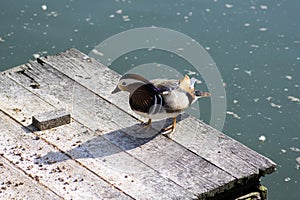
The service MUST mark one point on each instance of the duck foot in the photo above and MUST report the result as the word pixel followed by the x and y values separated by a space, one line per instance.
pixel 148 123
pixel 146 126
pixel 168 131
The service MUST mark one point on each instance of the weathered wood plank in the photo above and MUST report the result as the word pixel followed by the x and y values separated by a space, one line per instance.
pixel 15 185
pixel 149 153
pixel 91 74
pixel 105 141
pixel 102 80
pixel 19 103
pixel 67 179
pixel 139 185
pixel 226 151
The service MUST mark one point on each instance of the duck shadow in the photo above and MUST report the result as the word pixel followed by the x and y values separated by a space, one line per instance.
pixel 111 143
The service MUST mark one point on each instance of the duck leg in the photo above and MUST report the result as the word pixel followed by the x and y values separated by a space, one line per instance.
pixel 170 129
pixel 148 123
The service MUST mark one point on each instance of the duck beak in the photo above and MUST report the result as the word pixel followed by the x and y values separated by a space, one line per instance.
pixel 116 90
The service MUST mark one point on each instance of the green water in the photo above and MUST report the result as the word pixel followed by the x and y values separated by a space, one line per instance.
pixel 255 44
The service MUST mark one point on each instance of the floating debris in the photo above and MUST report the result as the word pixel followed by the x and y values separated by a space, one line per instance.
pixel 269 98
pixel 256 100
pixel 111 16
pixel 254 46
pixel 228 5
pixel 293 99
pixel 235 101
pixel 288 77
pixel 249 72
pixel 44 7
pixel 263 7
pixel 233 114
pixel 190 73
pixel 262 138
pixel 88 19
pixel 287 179
pixel 262 29
pixel 246 24
pixel 52 14
pixel 125 18
pixel 294 149
pixel 298 160
pixel 283 151
pixel 95 51
pixel 275 105
pixel 120 11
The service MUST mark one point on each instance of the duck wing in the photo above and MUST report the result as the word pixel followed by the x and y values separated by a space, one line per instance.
pixel 165 85
pixel 145 97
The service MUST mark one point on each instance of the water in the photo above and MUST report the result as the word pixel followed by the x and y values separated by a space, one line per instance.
pixel 255 44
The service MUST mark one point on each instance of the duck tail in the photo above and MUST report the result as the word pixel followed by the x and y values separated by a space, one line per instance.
pixel 192 82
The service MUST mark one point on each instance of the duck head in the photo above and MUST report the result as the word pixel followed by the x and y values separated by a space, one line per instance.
pixel 129 83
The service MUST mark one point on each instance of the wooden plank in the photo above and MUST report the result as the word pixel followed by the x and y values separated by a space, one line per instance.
pixel 226 151
pixel 133 180
pixel 19 103
pixel 102 80
pixel 112 162
pixel 67 179
pixel 157 158
pixel 91 74
pixel 15 185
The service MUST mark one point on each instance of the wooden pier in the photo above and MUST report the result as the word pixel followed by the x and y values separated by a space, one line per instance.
pixel 103 152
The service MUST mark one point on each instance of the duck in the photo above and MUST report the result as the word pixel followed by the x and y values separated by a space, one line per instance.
pixel 159 98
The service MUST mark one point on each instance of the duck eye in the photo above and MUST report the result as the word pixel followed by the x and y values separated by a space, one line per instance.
pixel 123 83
